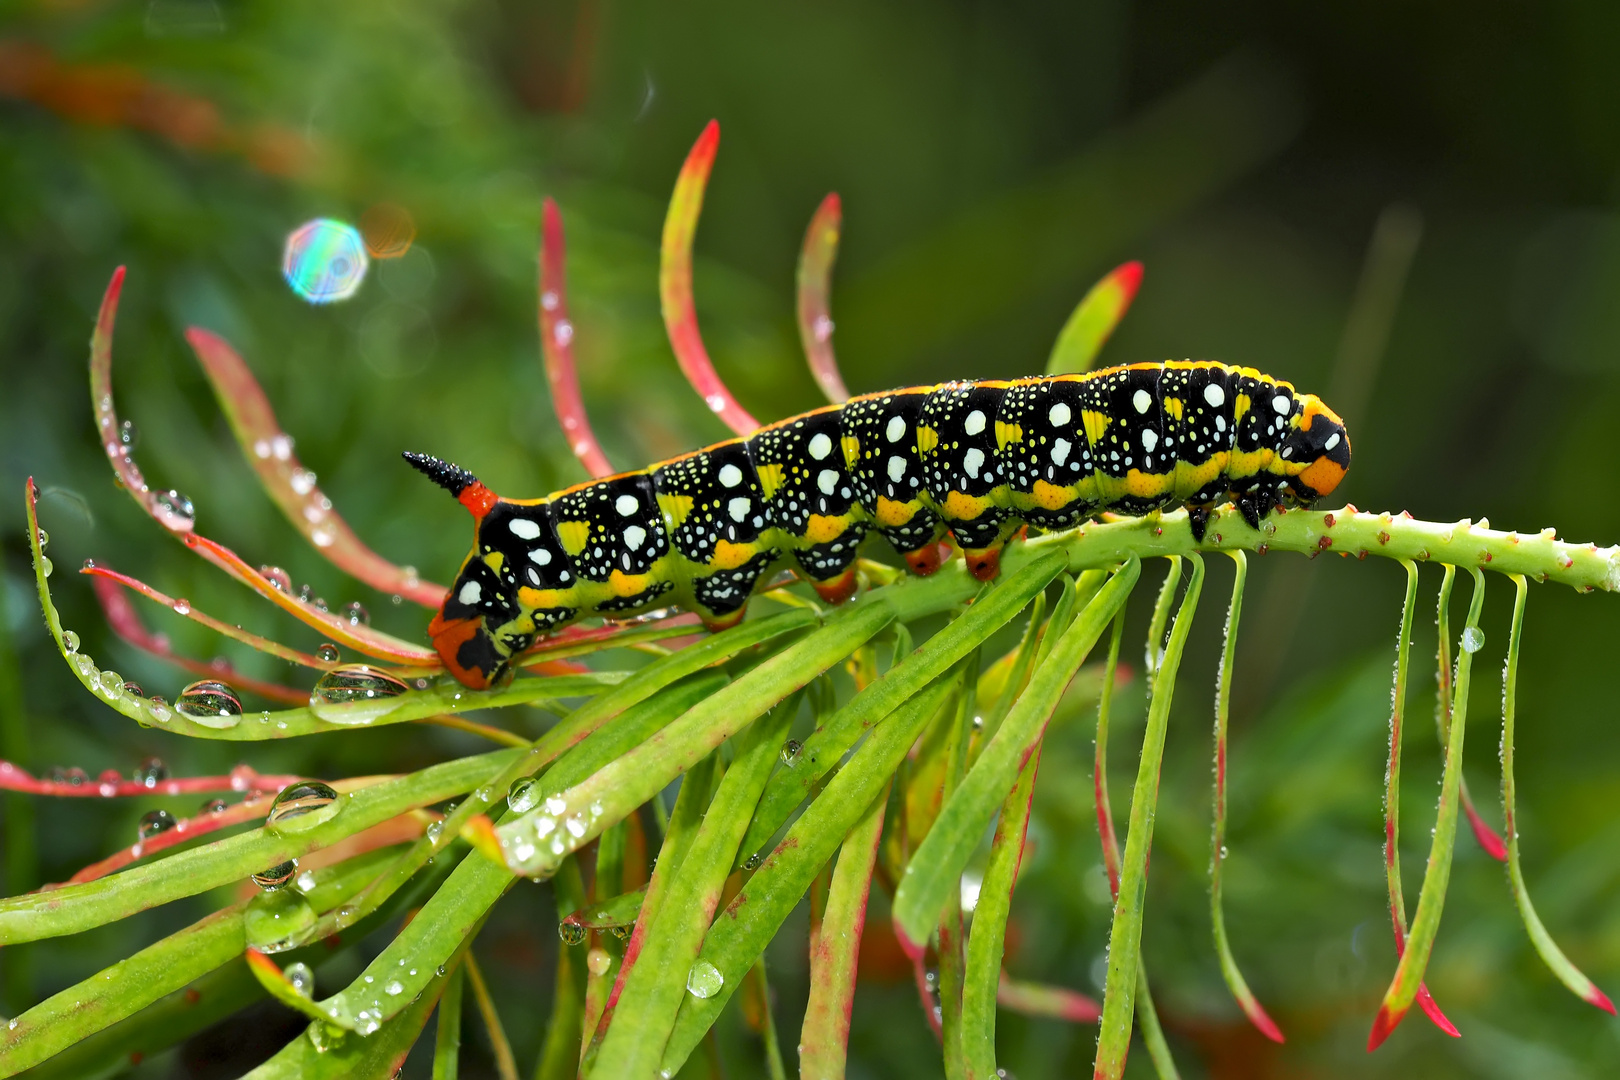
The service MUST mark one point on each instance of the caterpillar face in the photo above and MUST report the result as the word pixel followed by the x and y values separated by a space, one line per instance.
pixel 1319 440
pixel 979 460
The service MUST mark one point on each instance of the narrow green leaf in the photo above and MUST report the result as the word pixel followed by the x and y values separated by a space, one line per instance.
pixel 130 985
pixel 835 950
pixel 987 941
pixel 741 932
pixel 537 841
pixel 1431 899
pixel 760 991
pixel 1161 618
pixel 664 970
pixel 447 1040
pixel 1099 768
pixel 1217 857
pixel 74 908
pixel 831 740
pixel 1152 1032
pixel 933 870
pixel 560 1052
pixel 1125 936
pixel 1018 676
pixel 505 1066
pixel 1567 973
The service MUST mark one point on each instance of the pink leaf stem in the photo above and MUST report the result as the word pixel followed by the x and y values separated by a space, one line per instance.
pixel 675 284
pixel 127 625
pixel 557 348
pixel 269 450
pixel 240 779
pixel 815 289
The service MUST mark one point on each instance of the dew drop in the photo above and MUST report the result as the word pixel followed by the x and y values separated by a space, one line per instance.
pixel 129 436
pixel 301 978
pixel 302 806
pixel 277 876
pixel 44 538
pixel 790 752
pixel 150 773
pixel 441 971
pixel 1473 639
pixel 111 683
pixel 134 689
pixel 305 881
pixel 74 777
pixel 211 704
pixel 434 831
pixel 154 822
pixel 174 511
pixel 46 566
pixel 214 806
pixel 70 641
pixel 621 932
pixel 158 710
pixel 394 988
pixel 523 795
pixel 277 577
pixel 357 614
pixel 181 606
pixel 753 861
pixel 704 980
pixel 599 961
pixel 277 921
pixel 571 933
pixel 327 653
pixel 355 694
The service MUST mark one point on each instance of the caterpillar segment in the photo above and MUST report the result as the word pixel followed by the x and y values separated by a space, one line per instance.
pixel 971 461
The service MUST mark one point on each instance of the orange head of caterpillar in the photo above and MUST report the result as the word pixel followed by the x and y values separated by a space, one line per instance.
pixel 472 630
pixel 1318 441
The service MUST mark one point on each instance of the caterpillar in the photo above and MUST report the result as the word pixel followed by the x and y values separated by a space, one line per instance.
pixel 979 460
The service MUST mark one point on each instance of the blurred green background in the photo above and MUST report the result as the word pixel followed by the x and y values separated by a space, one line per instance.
pixel 1407 208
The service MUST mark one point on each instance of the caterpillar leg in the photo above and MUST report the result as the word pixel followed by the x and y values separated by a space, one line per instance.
pixel 1256 503
pixel 983 563
pixel 837 590
pixel 716 623
pixel 926 559
pixel 1198 519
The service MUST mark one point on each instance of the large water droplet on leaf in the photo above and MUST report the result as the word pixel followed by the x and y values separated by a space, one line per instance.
pixel 355 694
pixel 523 795
pixel 210 703
pixel 301 978
pixel 153 823
pixel 150 773
pixel 327 653
pixel 276 876
pixel 704 980
pixel 70 641
pixel 277 577
pixel 571 933
pixel 302 806
pixel 357 614
pixel 174 511
pixel 1473 639
pixel 790 752
pixel 277 921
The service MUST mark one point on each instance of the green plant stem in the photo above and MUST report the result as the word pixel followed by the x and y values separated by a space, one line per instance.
pixel 560 1051
pixel 654 988
pixel 1568 974
pixel 1217 857
pixel 505 1064
pixel 447 1040
pixel 1125 937
pixel 1431 899
pixel 932 873
pixel 835 950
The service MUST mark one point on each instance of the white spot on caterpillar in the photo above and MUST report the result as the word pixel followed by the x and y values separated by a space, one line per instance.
pixel 820 445
pixel 974 422
pixel 634 537
pixel 896 428
pixel 1220 423
pixel 974 459
pixel 1215 395
pixel 1288 452
pixel 1283 404
pixel 730 475
pixel 1333 440
pixel 541 556
pixel 738 509
pixel 1150 439
pixel 470 593
pixel 627 505
pixel 827 481
pixel 1142 400
pixel 524 529
pixel 897 468
pixel 1059 415
pixel 1060 451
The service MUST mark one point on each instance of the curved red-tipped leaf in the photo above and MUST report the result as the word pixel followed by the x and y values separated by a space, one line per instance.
pixel 675 284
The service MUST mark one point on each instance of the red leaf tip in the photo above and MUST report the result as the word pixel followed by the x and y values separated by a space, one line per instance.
pixel 1129 277
pixel 1385 1022
pixel 1601 1000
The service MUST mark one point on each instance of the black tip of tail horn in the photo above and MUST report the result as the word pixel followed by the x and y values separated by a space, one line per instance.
pixel 453 478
